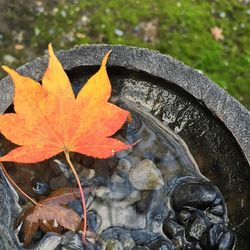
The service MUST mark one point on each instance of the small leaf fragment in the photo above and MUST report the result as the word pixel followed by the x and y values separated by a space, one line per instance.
pixel 217 33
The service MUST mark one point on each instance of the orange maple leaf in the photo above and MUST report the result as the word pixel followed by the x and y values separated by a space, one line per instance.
pixel 49 119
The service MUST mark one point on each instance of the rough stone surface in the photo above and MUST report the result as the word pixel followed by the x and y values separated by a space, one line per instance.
pixel 9 208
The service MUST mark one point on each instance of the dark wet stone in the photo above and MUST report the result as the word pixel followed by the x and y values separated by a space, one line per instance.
pixel 63 166
pixel 198 195
pixel 217 210
pixel 72 241
pixel 197 228
pixel 54 166
pixel 161 245
pixel 40 188
pixel 204 215
pixel 214 233
pixel 178 243
pixel 93 220
pixel 77 206
pixel 227 241
pixel 214 218
pixel 217 201
pixel 192 246
pixel 184 216
pixel 49 241
pixel 171 229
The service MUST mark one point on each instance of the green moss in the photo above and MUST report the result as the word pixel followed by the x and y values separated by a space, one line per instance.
pixel 183 31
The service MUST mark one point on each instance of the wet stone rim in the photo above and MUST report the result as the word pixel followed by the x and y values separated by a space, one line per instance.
pixel 235 117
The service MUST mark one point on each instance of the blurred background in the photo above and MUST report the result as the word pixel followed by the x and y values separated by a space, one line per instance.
pixel 212 36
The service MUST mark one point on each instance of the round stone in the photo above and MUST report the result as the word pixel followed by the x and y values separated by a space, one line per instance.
pixel 146 176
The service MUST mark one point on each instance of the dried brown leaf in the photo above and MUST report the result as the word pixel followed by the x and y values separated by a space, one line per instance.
pixel 51 214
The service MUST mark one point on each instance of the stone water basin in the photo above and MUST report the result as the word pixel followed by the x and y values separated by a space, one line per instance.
pixel 162 194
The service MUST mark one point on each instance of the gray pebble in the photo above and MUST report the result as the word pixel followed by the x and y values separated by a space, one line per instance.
pixel 9 59
pixel 119 32
pixel 146 176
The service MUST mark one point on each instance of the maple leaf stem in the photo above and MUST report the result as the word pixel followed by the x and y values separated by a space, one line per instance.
pixel 16 186
pixel 81 192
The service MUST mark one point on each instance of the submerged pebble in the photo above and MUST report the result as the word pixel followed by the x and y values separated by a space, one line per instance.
pixel 49 242
pixel 227 241
pixel 200 208
pixel 213 218
pixel 114 245
pixel 197 228
pixel 123 167
pixel 93 220
pixel 214 234
pixel 199 195
pixel 146 176
pixel 184 216
pixel 72 241
pixel 173 229
pixel 40 188
pixel 63 166
pixel 217 210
